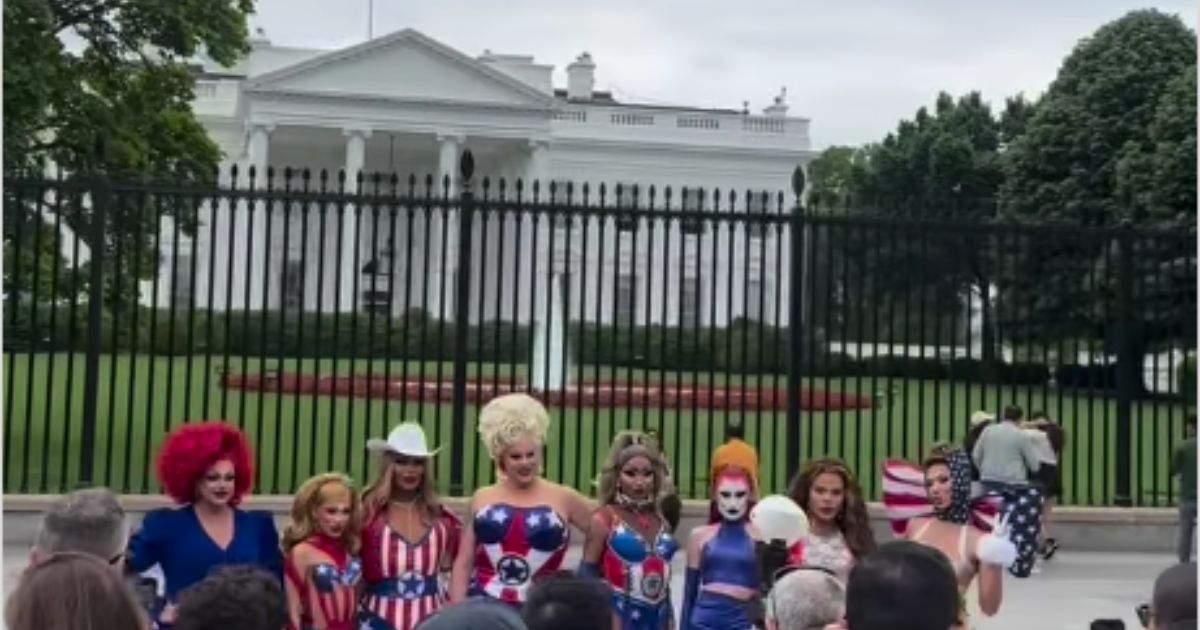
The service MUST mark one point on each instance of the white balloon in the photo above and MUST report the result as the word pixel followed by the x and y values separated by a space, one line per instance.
pixel 778 517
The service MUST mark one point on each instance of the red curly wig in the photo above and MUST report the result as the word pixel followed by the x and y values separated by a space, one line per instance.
pixel 191 449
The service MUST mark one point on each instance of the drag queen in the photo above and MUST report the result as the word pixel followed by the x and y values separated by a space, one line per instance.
pixel 519 530
pixel 630 544
pixel 321 572
pixel 722 587
pixel 409 539
pixel 205 468
pixel 932 505
pixel 839 531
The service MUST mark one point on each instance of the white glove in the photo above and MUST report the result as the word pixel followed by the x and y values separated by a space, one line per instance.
pixel 996 548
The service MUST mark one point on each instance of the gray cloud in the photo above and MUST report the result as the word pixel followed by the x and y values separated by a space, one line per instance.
pixel 855 68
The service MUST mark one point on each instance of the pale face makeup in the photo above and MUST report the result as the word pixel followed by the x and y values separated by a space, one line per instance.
pixel 333 511
pixel 937 484
pixel 522 461
pixel 217 485
pixel 733 497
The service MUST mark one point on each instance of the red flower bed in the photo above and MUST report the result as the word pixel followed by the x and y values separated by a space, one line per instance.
pixel 602 395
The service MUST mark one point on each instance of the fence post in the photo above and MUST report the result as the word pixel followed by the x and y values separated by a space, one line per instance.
pixel 1129 371
pixel 91 374
pixel 793 431
pixel 462 325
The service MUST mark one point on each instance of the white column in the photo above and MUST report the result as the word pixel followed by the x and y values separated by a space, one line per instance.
pixel 249 260
pixel 449 147
pixel 348 266
pixel 537 171
pixel 215 246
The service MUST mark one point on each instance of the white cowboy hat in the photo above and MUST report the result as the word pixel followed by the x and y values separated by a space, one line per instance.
pixel 406 439
pixel 982 417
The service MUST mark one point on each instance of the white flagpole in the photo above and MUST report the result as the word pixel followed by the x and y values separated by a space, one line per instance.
pixel 370 19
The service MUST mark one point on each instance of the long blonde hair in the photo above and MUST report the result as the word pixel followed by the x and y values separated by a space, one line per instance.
pixel 308 500
pixel 375 497
pixel 627 445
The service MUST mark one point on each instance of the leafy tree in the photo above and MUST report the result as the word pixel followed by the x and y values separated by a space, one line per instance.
pixel 115 102
pixel 1113 139
pixel 1156 178
pixel 943 163
pixel 1079 158
pixel 834 175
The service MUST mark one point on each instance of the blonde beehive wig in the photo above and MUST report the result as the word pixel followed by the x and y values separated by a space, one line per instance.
pixel 509 419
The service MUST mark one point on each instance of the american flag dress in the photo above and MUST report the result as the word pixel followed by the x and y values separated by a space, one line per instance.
pixel 639 572
pixel 328 589
pixel 405 581
pixel 514 546
pixel 905 497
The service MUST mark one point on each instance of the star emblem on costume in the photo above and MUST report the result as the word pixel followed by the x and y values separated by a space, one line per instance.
pixel 512 570
pixel 412 585
pixel 499 515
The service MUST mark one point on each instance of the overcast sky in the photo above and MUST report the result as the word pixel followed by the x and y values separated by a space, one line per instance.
pixel 855 67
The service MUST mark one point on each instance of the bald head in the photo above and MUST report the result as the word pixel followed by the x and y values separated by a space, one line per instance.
pixel 85 521
pixel 1175 596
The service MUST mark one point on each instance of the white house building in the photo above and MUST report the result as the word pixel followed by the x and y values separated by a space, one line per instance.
pixel 405 103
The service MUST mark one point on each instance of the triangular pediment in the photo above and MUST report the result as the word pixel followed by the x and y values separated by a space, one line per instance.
pixel 404 65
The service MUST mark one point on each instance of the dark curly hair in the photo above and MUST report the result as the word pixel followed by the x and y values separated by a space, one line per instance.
pixel 191 449
pixel 241 597
pixel 853 520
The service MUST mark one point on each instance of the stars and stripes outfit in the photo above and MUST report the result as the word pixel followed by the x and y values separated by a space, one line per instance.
pixel 639 573
pixel 405 580
pixel 905 498
pixel 327 593
pixel 513 547
pixel 1023 507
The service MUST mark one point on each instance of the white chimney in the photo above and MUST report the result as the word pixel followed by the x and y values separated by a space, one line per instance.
pixel 259 39
pixel 581 78
pixel 779 108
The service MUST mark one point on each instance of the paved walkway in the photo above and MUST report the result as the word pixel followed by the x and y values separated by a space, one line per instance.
pixel 1067 594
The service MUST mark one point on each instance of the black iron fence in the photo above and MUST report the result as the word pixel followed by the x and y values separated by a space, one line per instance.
pixel 316 313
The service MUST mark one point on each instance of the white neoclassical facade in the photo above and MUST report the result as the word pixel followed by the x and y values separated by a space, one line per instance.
pixel 407 104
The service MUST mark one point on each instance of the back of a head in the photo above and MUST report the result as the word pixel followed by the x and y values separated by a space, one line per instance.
pixel 566 601
pixel 73 591
pixel 807 599
pixel 1174 599
pixel 88 521
pixel 476 614
pixel 233 598
pixel 902 585
pixel 1013 413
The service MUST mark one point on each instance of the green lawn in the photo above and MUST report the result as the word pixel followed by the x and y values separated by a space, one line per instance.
pixel 297 436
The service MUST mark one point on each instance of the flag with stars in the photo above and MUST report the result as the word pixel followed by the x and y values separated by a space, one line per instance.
pixel 514 546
